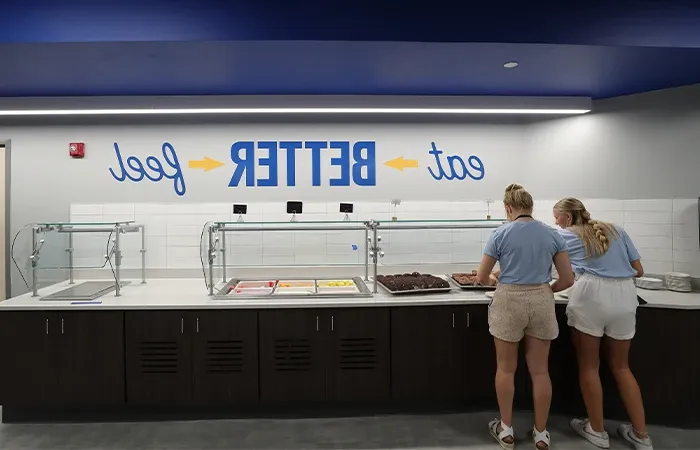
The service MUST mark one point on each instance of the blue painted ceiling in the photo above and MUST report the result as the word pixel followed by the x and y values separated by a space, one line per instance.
pixel 442 47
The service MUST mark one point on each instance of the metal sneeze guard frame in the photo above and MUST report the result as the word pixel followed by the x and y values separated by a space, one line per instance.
pixel 216 233
pixel 116 228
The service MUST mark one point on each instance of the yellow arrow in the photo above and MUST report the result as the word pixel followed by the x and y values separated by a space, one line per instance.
pixel 400 163
pixel 207 164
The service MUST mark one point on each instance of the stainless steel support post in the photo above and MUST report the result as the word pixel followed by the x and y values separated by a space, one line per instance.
pixel 375 251
pixel 143 254
pixel 35 256
pixel 366 251
pixel 223 255
pixel 117 261
pixel 210 257
pixel 70 258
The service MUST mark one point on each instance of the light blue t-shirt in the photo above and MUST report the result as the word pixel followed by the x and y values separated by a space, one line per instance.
pixel 524 251
pixel 615 263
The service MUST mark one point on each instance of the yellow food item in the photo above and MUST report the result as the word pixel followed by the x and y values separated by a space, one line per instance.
pixel 340 283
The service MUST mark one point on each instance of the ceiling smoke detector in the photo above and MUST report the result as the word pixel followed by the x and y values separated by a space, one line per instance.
pixel 511 64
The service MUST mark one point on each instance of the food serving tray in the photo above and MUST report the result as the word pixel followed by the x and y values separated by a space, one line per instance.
pixel 292 292
pixel 417 291
pixel 470 287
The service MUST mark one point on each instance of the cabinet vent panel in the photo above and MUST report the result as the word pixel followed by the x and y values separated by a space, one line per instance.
pixel 224 356
pixel 158 357
pixel 357 354
pixel 293 355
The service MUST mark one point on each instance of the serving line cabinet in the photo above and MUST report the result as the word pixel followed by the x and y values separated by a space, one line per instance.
pixel 391 359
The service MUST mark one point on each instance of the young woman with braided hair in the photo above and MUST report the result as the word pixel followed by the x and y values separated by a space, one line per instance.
pixel 602 303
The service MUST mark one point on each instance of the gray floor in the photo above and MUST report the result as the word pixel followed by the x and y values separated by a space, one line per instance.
pixel 464 431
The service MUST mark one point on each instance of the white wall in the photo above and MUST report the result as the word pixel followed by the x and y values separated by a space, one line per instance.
pixel 634 148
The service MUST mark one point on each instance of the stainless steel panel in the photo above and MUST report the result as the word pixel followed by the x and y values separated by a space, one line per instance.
pixel 89 290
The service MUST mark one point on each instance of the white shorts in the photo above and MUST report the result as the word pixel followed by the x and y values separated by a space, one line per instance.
pixel 603 306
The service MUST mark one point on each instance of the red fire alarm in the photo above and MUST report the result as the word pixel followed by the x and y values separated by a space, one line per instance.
pixel 77 149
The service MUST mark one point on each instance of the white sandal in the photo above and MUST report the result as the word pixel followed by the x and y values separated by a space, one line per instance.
pixel 541 436
pixel 505 433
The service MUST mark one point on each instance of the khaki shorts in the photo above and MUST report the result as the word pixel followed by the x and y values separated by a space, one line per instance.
pixel 523 309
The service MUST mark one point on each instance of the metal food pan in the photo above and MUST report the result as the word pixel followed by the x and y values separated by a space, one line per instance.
pixel 362 291
pixel 416 291
pixel 470 287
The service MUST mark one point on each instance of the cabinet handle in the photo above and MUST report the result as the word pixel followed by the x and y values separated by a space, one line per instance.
pixel 182 325
pixel 62 327
pixel 332 323
pixel 468 320
pixel 316 323
pixel 47 326
pixel 453 320
pixel 197 324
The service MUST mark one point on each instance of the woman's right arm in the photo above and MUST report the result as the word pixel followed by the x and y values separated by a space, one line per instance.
pixel 633 253
pixel 566 275
pixel 637 265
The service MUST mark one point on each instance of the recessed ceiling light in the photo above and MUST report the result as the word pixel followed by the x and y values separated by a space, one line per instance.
pixel 510 64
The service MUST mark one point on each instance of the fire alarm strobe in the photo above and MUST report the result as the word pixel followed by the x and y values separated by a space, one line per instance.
pixel 76 150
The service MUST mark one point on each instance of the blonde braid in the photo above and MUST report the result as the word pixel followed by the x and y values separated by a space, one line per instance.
pixel 601 233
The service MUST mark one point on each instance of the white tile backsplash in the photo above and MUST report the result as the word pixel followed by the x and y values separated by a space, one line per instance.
pixel 664 230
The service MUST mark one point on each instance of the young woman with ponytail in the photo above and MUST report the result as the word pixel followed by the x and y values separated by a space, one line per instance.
pixel 602 303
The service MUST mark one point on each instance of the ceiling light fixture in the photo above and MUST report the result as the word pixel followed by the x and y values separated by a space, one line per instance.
pixel 257 111
pixel 511 64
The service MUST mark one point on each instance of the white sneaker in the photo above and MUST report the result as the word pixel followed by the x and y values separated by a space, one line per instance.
pixel 583 428
pixel 627 433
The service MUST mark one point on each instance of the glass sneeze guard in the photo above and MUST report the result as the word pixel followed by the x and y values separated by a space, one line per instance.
pixel 51 253
pixel 214 246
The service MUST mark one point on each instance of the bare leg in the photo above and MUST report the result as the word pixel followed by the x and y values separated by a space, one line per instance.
pixel 537 357
pixel 506 364
pixel 588 355
pixel 618 360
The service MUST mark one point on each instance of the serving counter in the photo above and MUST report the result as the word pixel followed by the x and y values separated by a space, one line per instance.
pixel 167 349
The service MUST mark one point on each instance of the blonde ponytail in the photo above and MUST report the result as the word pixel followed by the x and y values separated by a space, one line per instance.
pixel 595 234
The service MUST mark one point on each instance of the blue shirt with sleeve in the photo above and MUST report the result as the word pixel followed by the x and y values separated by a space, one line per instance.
pixel 615 263
pixel 524 250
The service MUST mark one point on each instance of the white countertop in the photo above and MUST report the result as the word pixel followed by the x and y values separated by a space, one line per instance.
pixel 192 294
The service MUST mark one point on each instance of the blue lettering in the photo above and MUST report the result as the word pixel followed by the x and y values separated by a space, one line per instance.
pixel 244 165
pixel 155 165
pixel 476 164
pixel 139 172
pixel 291 147
pixel 363 154
pixel 343 161
pixel 458 168
pixel 270 162
pixel 122 177
pixel 441 172
pixel 171 158
pixel 137 166
pixel 451 160
pixel 315 147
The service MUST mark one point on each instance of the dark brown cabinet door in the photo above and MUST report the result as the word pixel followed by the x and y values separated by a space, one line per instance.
pixel 158 358
pixel 292 359
pixel 474 362
pixel 358 368
pixel 423 348
pixel 664 360
pixel 28 349
pixel 563 371
pixel 225 357
pixel 91 367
